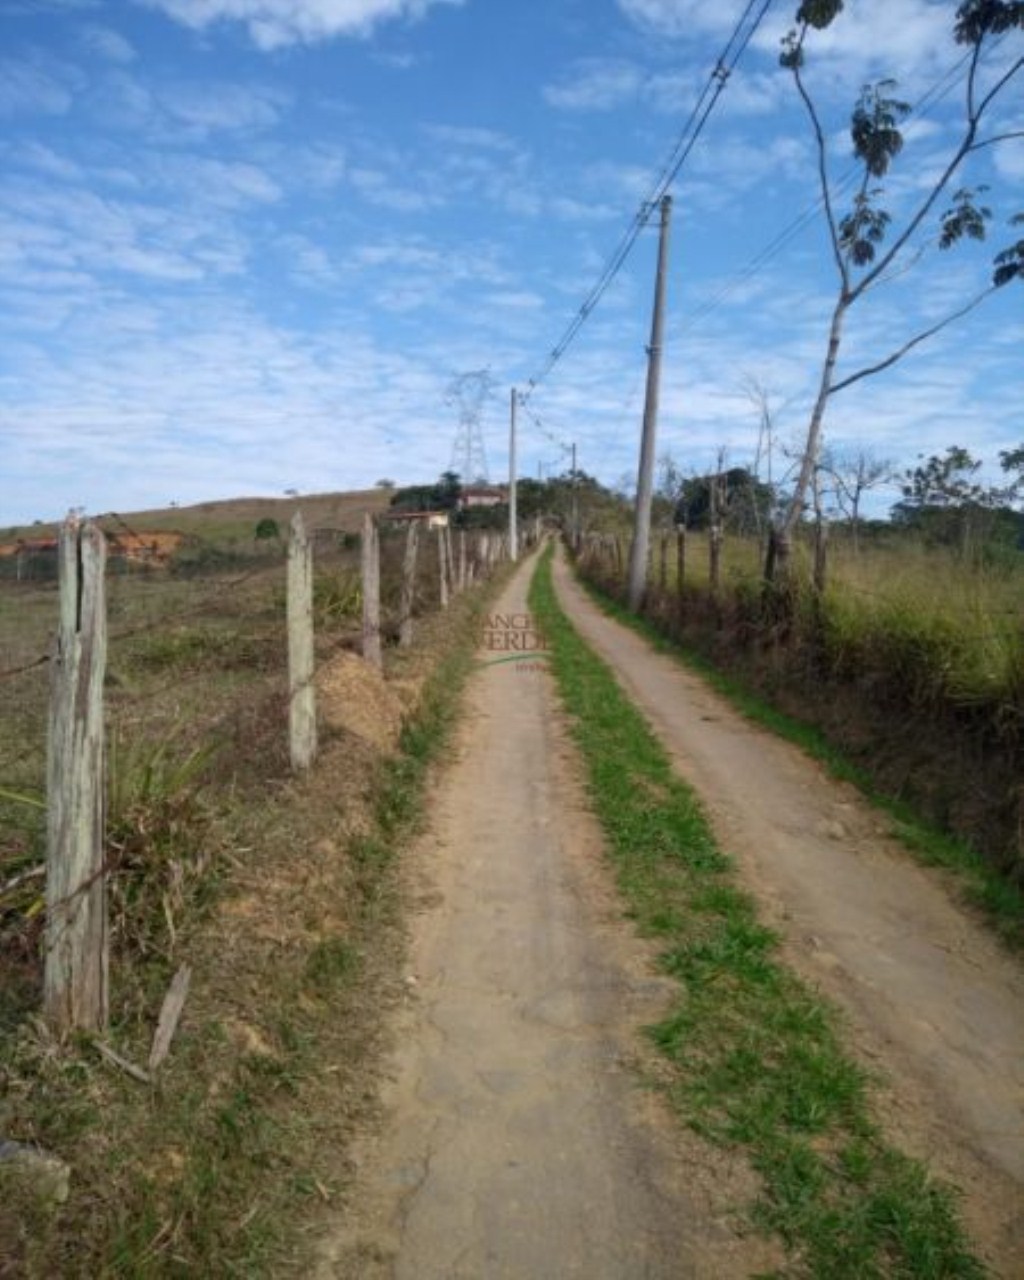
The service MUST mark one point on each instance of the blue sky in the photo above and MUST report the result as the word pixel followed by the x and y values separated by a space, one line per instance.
pixel 245 245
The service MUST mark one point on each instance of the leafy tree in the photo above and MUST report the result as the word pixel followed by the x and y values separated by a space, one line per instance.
pixel 944 499
pixel 1012 462
pixel 866 246
pixel 267 529
pixel 448 490
pixel 746 502
pixel 414 497
pixel 442 496
pixel 945 481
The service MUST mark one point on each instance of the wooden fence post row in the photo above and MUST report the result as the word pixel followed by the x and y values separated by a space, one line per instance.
pixel 75 985
pixel 442 566
pixel 408 600
pixel 301 690
pixel 371 592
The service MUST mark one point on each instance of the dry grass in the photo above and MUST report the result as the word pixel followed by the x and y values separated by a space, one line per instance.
pixel 235 519
pixel 282 895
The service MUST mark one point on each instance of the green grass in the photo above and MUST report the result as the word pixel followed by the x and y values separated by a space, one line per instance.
pixel 1000 901
pixel 757 1059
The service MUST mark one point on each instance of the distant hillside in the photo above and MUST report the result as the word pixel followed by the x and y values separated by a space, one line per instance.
pixel 233 518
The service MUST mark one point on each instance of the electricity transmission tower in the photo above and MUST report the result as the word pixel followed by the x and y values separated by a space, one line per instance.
pixel 467 392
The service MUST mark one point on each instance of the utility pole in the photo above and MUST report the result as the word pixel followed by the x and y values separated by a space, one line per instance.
pixel 575 516
pixel 645 476
pixel 513 532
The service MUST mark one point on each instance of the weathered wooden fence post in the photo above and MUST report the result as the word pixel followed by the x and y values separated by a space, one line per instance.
pixel 680 567
pixel 371 591
pixel 463 579
pixel 820 556
pixel 301 690
pixel 442 569
pixel 449 555
pixel 75 983
pixel 716 494
pixel 412 539
pixel 663 563
pixel 715 558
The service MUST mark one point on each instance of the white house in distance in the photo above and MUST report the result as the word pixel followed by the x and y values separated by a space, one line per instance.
pixel 430 519
pixel 482 495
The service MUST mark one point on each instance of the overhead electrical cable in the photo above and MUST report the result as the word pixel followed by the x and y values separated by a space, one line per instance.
pixel 742 34
pixel 735 47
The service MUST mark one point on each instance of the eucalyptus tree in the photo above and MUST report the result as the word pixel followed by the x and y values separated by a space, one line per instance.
pixel 867 245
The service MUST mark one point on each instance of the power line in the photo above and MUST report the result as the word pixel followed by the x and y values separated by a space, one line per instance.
pixel 742 34
pixel 942 87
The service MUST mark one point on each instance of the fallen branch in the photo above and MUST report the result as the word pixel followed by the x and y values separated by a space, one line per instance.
pixel 129 1068
pixel 170 1012
pixel 33 873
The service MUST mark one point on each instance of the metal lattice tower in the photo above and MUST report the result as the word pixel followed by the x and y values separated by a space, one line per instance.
pixel 467 393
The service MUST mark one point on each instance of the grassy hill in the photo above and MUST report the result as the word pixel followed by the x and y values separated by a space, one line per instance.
pixel 232 520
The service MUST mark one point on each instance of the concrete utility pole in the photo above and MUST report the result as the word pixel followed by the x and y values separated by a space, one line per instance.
pixel 575 516
pixel 513 532
pixel 645 476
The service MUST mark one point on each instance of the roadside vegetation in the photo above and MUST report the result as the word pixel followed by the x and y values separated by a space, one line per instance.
pixel 757 1063
pixel 280 893
pixel 914 695
pixel 900 644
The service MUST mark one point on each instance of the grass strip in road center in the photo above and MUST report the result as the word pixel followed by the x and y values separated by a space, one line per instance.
pixel 757 1062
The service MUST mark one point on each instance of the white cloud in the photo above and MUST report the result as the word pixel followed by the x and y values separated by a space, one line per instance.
pixel 682 17
pixel 572 210
pixel 469 136
pixel 109 44
pixel 217 183
pixel 1008 158
pixel 308 263
pixel 603 84
pixel 170 111
pixel 379 189
pixel 25 88
pixel 37 156
pixel 221 106
pixel 517 299
pixel 398 61
pixel 275 23
pixel 317 166
pixel 909 40
pixel 596 84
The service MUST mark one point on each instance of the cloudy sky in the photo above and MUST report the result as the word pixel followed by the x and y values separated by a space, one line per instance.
pixel 246 245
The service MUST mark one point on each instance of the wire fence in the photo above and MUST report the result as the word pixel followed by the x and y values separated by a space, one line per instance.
pixel 196 694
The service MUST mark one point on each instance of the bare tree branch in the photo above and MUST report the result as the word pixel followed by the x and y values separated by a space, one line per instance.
pixel 998 87
pixel 999 137
pixel 826 189
pixel 866 372
pixel 967 145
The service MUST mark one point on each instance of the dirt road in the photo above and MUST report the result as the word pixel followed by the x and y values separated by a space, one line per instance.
pixel 516 1137
pixel 933 1000
pixel 517 1141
